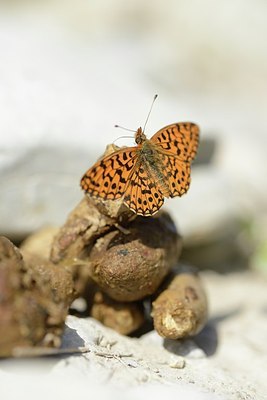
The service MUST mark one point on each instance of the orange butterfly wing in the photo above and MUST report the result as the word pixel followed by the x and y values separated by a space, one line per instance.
pixel 142 195
pixel 179 139
pixel 177 174
pixel 109 177
pixel 177 145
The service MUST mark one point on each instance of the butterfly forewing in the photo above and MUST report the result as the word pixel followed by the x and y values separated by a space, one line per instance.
pixel 109 177
pixel 180 139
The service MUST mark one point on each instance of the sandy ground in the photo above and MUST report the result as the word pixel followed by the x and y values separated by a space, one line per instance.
pixel 227 360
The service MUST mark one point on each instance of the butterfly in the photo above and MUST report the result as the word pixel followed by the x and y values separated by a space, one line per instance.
pixel 143 175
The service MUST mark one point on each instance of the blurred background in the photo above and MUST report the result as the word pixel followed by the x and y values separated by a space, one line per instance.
pixel 71 70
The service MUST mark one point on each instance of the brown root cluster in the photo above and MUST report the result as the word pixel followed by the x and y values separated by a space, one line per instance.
pixel 114 260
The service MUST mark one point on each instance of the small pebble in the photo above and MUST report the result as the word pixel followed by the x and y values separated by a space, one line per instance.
pixel 178 363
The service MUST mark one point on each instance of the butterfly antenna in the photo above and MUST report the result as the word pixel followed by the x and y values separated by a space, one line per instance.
pixel 126 129
pixel 123 137
pixel 154 99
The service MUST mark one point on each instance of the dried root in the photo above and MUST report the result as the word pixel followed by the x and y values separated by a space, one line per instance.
pixel 181 309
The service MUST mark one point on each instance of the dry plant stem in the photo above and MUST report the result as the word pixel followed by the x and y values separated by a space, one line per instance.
pixel 122 317
pixel 180 311
pixel 35 296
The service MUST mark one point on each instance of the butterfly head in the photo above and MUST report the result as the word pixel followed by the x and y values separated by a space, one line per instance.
pixel 140 137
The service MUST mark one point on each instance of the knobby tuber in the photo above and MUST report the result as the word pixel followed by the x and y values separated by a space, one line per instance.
pixel 122 317
pixel 181 308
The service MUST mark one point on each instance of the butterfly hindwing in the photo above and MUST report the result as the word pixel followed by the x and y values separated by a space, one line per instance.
pixel 177 174
pixel 142 195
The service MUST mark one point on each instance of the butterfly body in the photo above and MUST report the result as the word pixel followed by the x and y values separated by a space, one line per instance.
pixel 143 175
pixel 150 161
